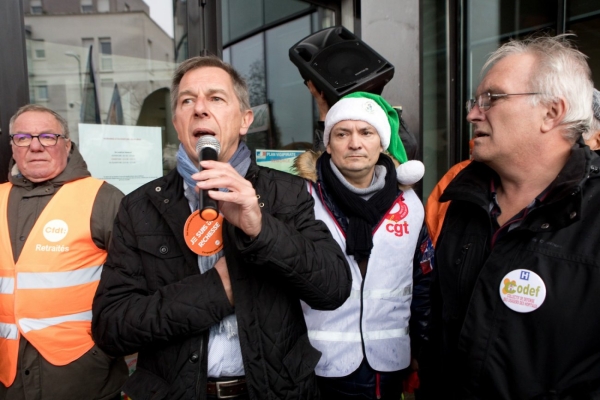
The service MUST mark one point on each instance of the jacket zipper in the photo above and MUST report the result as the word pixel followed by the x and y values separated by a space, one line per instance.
pixel 362 340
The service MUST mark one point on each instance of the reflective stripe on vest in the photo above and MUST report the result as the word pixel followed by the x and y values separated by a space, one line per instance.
pixel 381 294
pixel 53 281
pixel 31 324
pixel 9 333
pixel 330 336
pixel 337 334
pixel 7 285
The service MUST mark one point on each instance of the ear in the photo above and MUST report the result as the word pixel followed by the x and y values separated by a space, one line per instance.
pixel 594 141
pixel 328 148
pixel 247 118
pixel 554 114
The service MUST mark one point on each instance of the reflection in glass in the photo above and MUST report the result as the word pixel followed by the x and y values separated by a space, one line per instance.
pixel 290 100
pixel 247 57
pixel 243 16
pixel 111 68
pixel 278 9
pixel 435 94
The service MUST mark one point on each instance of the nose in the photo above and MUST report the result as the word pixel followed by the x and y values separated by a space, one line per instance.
pixel 354 142
pixel 36 145
pixel 200 109
pixel 476 114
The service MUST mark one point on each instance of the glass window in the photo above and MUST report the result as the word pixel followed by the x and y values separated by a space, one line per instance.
pixel 39 49
pixel 278 9
pixel 492 23
pixel 290 100
pixel 247 57
pixel 35 6
pixel 111 85
pixel 87 6
pixel 105 54
pixel 435 93
pixel 489 25
pixel 149 54
pixel 41 91
pixel 243 16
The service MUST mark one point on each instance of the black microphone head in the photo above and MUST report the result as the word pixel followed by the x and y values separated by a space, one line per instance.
pixel 208 141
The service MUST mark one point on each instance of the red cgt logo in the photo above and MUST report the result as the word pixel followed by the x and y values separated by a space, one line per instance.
pixel 398 212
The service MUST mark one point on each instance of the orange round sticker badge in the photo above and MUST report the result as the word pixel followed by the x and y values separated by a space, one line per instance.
pixel 203 237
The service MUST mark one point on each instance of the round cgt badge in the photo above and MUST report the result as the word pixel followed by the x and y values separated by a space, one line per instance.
pixel 522 290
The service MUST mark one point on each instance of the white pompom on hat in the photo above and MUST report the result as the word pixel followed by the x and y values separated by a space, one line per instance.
pixel 377 112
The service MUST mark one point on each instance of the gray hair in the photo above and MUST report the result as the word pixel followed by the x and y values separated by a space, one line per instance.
pixel 561 72
pixel 37 108
pixel 239 84
pixel 595 126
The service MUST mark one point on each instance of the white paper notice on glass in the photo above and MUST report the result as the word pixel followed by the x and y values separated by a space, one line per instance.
pixel 124 156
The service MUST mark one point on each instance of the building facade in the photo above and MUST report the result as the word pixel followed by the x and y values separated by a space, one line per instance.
pixel 82 54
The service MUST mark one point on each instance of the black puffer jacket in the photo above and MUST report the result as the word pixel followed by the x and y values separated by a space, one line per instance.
pixel 152 298
pixel 482 349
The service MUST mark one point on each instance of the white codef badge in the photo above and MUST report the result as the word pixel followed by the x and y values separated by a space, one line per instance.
pixel 522 290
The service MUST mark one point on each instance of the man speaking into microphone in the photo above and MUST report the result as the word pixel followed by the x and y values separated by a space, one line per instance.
pixel 212 305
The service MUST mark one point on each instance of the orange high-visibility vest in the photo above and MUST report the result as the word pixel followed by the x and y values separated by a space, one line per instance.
pixel 435 212
pixel 46 296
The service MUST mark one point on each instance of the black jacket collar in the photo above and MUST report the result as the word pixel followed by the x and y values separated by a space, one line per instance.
pixel 564 198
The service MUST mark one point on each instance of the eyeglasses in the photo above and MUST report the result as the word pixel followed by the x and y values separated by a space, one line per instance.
pixel 45 139
pixel 484 100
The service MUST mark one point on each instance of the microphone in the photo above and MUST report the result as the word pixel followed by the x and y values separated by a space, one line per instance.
pixel 208 148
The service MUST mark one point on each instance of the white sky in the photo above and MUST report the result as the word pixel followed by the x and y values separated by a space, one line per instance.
pixel 161 11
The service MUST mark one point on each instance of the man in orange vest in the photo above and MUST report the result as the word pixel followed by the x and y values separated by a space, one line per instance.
pixel 55 226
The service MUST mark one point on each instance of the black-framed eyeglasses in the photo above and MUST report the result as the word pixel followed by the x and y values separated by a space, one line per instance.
pixel 45 139
pixel 484 100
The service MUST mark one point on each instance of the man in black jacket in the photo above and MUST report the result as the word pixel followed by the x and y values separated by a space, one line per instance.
pixel 213 307
pixel 515 298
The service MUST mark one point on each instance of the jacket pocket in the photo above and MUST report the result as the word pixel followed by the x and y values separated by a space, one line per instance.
pixel 302 359
pixel 144 385
pixel 160 254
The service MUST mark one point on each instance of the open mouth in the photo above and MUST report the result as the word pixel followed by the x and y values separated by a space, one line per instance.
pixel 481 134
pixel 201 132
